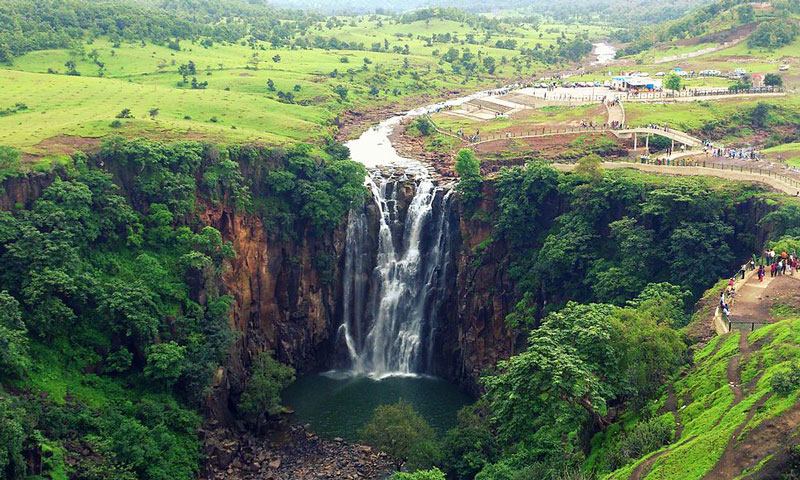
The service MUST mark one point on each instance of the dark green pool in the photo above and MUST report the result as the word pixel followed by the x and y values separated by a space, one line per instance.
pixel 338 405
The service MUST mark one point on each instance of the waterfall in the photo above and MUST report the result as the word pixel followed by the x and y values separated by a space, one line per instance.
pixel 395 278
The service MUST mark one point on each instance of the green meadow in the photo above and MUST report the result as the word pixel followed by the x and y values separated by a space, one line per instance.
pixel 66 112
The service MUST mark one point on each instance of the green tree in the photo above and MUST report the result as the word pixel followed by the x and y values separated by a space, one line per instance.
pixel 776 34
pixel 12 440
pixel 746 13
pixel 165 362
pixel 270 85
pixel 759 115
pixel 590 166
pixel 396 429
pixel 468 168
pixel 130 308
pixel 673 82
pixel 13 339
pixel 340 90
pixel 773 80
pixel 424 126
pixel 262 393
pixel 468 447
pixel 9 162
pixel 153 113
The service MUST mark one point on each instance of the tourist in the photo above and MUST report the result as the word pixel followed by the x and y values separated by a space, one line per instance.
pixel 761 273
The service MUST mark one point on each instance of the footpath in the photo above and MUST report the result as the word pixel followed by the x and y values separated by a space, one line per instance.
pixel 779 183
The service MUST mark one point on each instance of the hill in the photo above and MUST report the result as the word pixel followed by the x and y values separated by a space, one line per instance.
pixel 733 413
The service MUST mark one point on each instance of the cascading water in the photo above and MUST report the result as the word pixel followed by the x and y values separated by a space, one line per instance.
pixel 394 284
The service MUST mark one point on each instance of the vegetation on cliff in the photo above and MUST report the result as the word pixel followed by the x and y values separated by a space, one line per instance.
pixel 113 317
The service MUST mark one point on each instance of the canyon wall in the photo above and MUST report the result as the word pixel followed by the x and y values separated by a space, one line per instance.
pixel 287 289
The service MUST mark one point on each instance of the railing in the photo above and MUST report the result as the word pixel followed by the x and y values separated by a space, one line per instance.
pixel 692 93
pixel 660 95
pixel 723 325
pixel 764 172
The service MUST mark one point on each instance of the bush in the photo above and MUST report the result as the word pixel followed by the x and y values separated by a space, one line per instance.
pixel 424 126
pixel 647 436
pixel 9 162
pixel 467 449
pixel 785 382
pixel 165 362
pixel 115 124
pixel 13 339
pixel 397 430
pixel 432 474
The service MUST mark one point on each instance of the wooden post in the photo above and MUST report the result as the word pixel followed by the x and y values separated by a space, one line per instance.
pixel 635 141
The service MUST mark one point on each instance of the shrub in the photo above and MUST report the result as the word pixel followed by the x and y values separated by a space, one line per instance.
pixel 115 124
pixel 432 474
pixel 786 381
pixel 13 339
pixel 647 436
pixel 424 125
pixel 165 362
pixel 397 430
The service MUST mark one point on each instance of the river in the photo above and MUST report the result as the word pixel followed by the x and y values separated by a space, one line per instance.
pixel 391 294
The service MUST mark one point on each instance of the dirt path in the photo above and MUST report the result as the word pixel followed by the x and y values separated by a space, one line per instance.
pixel 749 305
pixel 734 371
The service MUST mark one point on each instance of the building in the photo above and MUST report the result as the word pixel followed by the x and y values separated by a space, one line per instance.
pixel 629 83
pixel 757 79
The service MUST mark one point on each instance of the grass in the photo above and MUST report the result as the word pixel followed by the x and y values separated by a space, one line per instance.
pixel 64 111
pixel 788 152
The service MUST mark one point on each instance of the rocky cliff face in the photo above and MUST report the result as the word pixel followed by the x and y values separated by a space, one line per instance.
pixel 22 191
pixel 477 337
pixel 285 297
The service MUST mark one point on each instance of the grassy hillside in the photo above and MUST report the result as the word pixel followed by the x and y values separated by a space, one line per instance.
pixel 731 413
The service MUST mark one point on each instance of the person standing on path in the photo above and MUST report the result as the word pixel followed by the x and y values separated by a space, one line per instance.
pixel 761 273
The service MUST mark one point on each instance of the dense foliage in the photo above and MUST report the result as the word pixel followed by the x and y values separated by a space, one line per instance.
pixel 468 168
pixel 26 25
pixel 581 238
pixel 112 316
pixel 774 34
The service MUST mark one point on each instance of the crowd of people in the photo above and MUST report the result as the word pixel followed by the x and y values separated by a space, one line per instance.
pixel 748 153
pixel 779 264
